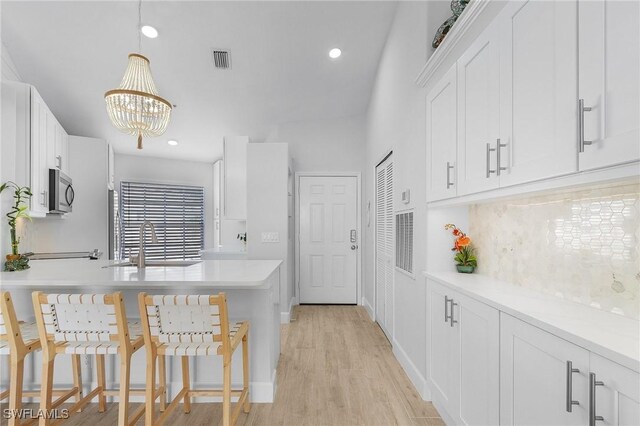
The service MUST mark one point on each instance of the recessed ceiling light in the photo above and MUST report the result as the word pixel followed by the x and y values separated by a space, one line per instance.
pixel 335 53
pixel 172 142
pixel 149 31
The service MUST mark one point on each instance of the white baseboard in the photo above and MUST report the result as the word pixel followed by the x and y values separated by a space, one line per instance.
pixel 285 317
pixel 419 382
pixel 446 418
pixel 369 308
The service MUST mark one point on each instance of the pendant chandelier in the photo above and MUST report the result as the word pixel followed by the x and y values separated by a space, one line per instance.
pixel 135 107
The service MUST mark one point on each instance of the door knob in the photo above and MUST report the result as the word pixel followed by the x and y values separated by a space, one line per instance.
pixel 353 247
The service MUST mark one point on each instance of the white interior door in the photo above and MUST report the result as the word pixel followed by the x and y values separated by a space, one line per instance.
pixel 328 239
pixel 384 246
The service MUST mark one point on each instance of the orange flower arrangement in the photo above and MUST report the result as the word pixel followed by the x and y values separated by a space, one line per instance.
pixel 465 255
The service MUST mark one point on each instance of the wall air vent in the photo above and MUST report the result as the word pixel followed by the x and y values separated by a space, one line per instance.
pixel 404 242
pixel 222 59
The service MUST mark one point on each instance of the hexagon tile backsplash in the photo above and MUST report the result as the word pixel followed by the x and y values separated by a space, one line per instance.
pixel 582 246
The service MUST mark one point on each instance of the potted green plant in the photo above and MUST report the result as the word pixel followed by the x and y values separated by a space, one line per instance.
pixel 15 261
pixel 466 261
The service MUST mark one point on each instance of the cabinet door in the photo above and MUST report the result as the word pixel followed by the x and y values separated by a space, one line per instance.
pixel 441 138
pixel 478 113
pixel 440 343
pixel 609 40
pixel 538 90
pixel 216 189
pixel 235 177
pixel 111 168
pixel 64 151
pixel 477 362
pixel 40 131
pixel 533 377
pixel 617 401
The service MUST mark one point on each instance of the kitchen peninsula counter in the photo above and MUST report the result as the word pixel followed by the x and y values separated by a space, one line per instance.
pixel 252 288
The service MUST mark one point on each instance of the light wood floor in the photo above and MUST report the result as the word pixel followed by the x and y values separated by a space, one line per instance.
pixel 336 368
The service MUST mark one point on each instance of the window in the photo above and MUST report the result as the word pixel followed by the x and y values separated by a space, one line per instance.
pixel 404 242
pixel 177 213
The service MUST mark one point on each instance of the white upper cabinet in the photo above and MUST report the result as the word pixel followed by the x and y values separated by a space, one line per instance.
pixel 538 96
pixel 234 205
pixel 42 149
pixel 441 138
pixel 479 114
pixel 536 386
pixel 616 393
pixel 111 168
pixel 609 66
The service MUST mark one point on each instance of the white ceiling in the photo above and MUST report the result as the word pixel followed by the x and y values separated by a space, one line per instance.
pixel 74 51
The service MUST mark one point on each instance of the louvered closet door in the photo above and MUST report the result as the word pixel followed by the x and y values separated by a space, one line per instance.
pixel 384 246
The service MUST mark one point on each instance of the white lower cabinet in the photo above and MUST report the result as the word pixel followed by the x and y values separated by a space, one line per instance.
pixel 615 391
pixel 535 385
pixel 464 356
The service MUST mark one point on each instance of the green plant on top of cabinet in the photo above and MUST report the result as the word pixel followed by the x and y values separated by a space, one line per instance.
pixel 441 138
pixel 609 65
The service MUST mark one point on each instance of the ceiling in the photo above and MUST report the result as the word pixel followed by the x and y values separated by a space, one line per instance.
pixel 75 51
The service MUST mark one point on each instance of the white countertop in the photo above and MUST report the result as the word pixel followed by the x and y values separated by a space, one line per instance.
pixel 609 335
pixel 219 274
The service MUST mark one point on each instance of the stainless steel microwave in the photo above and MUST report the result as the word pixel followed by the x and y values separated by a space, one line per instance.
pixel 61 193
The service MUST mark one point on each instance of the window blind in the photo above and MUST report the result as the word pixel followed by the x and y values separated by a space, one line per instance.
pixel 177 213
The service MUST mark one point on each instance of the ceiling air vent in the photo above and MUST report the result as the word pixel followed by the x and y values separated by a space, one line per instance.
pixel 222 59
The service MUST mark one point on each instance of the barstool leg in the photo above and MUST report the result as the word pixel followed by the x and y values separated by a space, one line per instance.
pixel 46 392
pixel 77 377
pixel 15 387
pixel 186 383
pixel 125 376
pixel 163 382
pixel 245 370
pixel 102 399
pixel 149 396
pixel 226 391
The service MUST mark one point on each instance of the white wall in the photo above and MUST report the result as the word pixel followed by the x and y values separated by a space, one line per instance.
pixel 267 198
pixel 160 170
pixel 396 120
pixel 324 145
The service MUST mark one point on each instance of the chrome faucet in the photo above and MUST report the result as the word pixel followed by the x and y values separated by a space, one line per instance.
pixel 140 259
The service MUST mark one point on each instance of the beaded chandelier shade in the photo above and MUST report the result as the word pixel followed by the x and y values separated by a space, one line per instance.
pixel 135 107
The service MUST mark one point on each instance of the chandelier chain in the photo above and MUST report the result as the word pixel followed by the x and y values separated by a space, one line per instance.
pixel 139 26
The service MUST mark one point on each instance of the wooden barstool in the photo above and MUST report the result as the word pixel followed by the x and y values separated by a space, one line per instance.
pixel 17 340
pixel 193 326
pixel 87 324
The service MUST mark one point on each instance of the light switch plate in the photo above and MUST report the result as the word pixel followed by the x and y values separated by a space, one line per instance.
pixel 270 237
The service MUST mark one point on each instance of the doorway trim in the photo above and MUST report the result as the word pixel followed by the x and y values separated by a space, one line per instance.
pixel 357 175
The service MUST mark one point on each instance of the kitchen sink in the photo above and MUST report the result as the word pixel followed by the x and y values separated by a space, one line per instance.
pixel 157 263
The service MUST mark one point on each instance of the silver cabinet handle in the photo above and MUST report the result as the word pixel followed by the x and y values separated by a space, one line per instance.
pixel 499 146
pixel 570 401
pixel 44 198
pixel 59 159
pixel 449 167
pixel 451 315
pixel 593 418
pixel 446 308
pixel 581 111
pixel 489 151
